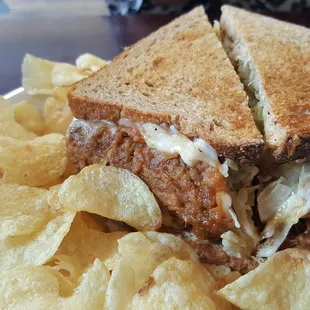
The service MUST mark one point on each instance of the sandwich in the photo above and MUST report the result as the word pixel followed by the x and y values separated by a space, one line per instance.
pixel 172 110
pixel 273 60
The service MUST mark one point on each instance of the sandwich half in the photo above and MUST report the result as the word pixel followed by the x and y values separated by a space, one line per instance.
pixel 171 109
pixel 273 60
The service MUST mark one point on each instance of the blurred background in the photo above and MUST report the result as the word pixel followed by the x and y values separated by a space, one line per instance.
pixel 129 7
pixel 61 30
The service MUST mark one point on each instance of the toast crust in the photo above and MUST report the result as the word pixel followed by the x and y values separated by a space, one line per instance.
pixel 179 76
pixel 295 148
pixel 280 52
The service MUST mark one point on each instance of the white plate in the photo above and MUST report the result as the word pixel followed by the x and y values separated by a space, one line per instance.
pixel 17 95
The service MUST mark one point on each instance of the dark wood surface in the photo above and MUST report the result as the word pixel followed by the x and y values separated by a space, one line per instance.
pixel 63 39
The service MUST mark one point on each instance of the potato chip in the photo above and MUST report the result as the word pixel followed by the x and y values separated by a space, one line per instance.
pixel 282 282
pixel 8 126
pixel 113 193
pixel 66 288
pixel 36 76
pixel 221 274
pixel 38 247
pixel 66 75
pixel 67 266
pixel 52 197
pixel 108 225
pixel 228 278
pixel 177 284
pixel 70 170
pixel 23 210
pixel 57 116
pixel 53 183
pixel 28 116
pixel 53 201
pixel 91 292
pixel 7 113
pixel 43 77
pixel 90 62
pixel 83 245
pixel 87 244
pixel 176 245
pixel 15 131
pixel 35 162
pixel 61 93
pixel 90 222
pixel 217 271
pixel 30 287
pixel 140 255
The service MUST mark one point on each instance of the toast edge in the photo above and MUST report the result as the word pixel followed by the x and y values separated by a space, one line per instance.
pixel 295 148
pixel 243 154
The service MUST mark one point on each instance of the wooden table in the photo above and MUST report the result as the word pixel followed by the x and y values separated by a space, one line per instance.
pixel 63 39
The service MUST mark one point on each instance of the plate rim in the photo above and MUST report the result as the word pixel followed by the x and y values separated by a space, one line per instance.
pixel 13 93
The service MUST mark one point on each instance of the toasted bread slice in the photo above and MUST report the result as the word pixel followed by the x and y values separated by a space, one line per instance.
pixel 179 75
pixel 273 58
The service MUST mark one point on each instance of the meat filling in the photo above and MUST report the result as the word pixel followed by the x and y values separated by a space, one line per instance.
pixel 213 254
pixel 190 192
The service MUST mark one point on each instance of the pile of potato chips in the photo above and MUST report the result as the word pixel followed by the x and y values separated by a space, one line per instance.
pixel 64 244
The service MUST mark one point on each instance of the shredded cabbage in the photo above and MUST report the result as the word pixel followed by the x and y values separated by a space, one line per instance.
pixel 287 213
pixel 242 177
pixel 241 242
pixel 225 200
pixel 224 168
pixel 272 197
pixel 258 98
pixel 242 208
pixel 249 75
pixel 238 244
pixel 217 28
pixel 291 172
